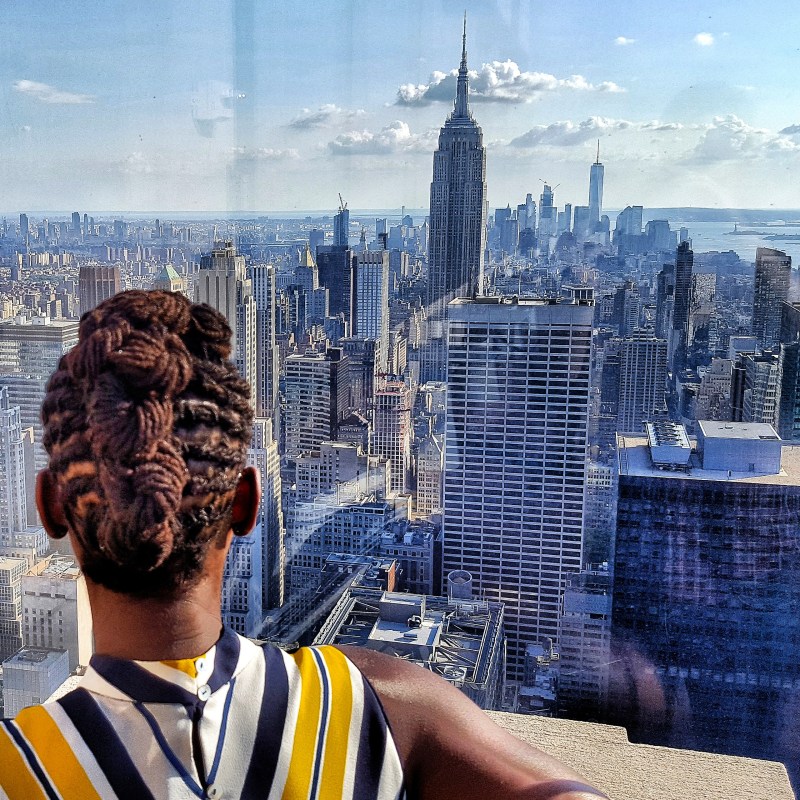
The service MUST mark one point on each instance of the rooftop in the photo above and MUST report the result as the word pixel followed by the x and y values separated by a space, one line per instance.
pixel 516 300
pixel 753 431
pixel 439 634
pixel 56 566
pixel 635 460
pixel 37 323
pixel 167 273
pixel 33 656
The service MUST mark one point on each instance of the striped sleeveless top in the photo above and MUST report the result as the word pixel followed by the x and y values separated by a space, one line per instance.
pixel 241 721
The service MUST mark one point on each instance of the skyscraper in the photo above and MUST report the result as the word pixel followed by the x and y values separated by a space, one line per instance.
pixel 341 225
pixel 336 272
pixel 596 190
pixel 392 430
pixel 263 455
pixel 458 210
pixel 371 317
pixel 515 455
pixel 362 357
pixel 665 300
pixel 761 382
pixel 11 572
pixel 317 399
pixel 706 591
pixel 629 220
pixel 13 500
pixel 773 270
pixel 584 642
pixel 97 283
pixel 222 282
pixel 242 593
pixel 548 214
pixel 267 354
pixel 679 338
pixel 430 465
pixel 789 373
pixel 642 381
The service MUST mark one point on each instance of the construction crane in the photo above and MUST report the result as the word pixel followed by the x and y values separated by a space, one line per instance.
pixel 342 204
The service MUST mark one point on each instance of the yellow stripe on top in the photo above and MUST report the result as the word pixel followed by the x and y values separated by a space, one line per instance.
pixel 339 715
pixel 301 767
pixel 186 665
pixel 16 779
pixel 55 754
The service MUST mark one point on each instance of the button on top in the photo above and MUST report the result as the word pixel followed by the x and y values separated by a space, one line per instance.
pixel 212 791
pixel 204 692
pixel 200 664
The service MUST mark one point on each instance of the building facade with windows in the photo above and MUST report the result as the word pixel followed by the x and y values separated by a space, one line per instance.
pixel 515 455
pixel 771 291
pixel 705 623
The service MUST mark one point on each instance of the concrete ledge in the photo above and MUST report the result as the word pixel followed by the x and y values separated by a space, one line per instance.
pixel 625 771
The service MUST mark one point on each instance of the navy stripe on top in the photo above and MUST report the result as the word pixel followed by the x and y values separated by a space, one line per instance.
pixel 271 722
pixel 325 720
pixel 109 751
pixel 32 760
pixel 371 746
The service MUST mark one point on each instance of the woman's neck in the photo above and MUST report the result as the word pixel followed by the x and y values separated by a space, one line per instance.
pixel 150 629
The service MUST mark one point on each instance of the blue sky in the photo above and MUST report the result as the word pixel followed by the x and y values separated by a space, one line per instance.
pixel 207 106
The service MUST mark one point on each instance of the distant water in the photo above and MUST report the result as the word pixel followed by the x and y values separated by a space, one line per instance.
pixel 711 228
pixel 707 236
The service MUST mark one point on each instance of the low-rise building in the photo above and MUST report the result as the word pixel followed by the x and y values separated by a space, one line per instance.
pixel 460 639
pixel 55 609
pixel 31 676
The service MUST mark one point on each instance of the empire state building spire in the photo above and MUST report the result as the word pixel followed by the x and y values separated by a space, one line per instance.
pixel 458 208
pixel 462 107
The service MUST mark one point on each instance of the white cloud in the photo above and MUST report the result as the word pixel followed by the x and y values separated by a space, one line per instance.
pixel 791 130
pixel 138 163
pixel 730 138
pixel 49 94
pixel 264 154
pixel 622 41
pixel 324 115
pixel 657 126
pixel 704 39
pixel 566 133
pixel 393 138
pixel 498 82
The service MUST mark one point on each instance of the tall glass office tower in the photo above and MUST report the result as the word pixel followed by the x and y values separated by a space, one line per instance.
pixel 771 290
pixel 515 457
pixel 596 172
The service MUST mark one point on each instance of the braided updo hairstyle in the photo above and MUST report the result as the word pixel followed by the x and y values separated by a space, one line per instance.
pixel 147 425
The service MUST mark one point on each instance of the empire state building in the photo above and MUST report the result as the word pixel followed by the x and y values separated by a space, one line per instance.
pixel 457 220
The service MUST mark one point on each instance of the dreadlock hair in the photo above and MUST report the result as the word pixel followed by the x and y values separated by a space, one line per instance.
pixel 147 425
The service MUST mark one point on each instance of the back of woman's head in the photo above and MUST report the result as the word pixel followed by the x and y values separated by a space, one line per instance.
pixel 147 424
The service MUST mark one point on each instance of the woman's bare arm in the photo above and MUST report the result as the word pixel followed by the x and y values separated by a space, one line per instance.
pixel 451 749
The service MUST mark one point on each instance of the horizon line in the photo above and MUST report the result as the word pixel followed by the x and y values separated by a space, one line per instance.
pixel 398 211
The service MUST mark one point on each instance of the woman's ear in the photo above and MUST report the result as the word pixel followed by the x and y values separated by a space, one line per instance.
pixel 247 502
pixel 50 506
